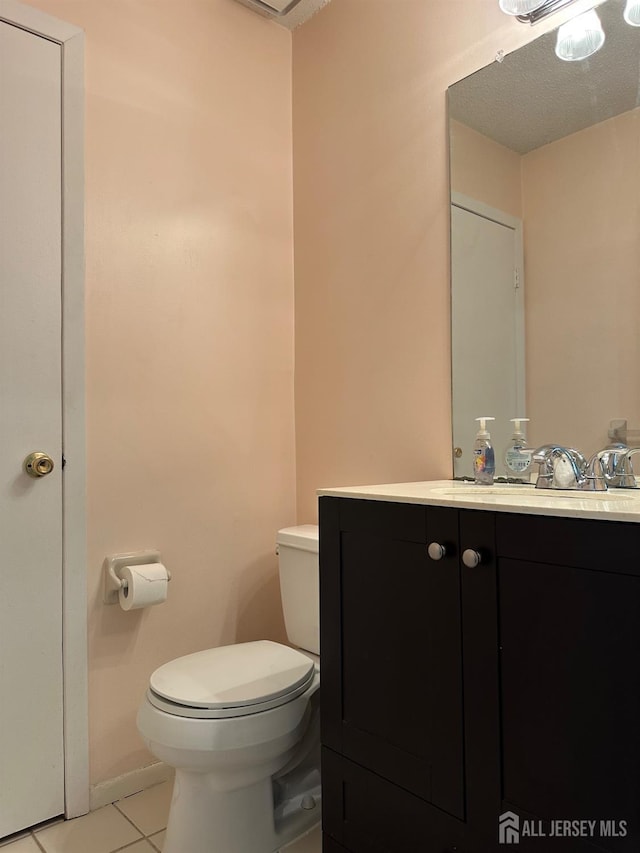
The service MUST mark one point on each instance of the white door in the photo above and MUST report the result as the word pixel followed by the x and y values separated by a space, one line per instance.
pixel 31 735
pixel 487 331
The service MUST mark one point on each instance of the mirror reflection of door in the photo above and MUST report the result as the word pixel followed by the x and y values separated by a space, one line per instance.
pixel 488 327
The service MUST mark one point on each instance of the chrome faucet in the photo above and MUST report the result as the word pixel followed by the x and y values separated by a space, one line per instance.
pixel 548 456
pixel 609 462
pixel 566 468
pixel 624 469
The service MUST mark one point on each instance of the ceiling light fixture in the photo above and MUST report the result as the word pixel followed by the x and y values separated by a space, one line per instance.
pixel 532 11
pixel 632 13
pixel 520 7
pixel 580 37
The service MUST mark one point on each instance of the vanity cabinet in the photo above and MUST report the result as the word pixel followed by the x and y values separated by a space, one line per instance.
pixel 453 693
pixel 569 627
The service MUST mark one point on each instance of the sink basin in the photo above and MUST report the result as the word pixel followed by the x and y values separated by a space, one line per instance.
pixel 529 493
pixel 468 489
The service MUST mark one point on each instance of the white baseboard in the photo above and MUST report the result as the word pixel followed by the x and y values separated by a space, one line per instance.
pixel 112 790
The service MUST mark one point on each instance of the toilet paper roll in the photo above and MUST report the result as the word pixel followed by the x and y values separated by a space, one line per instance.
pixel 144 585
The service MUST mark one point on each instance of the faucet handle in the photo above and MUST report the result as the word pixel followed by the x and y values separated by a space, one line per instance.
pixel 624 470
pixel 543 457
pixel 608 461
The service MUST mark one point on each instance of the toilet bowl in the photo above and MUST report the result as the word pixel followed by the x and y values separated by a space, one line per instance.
pixel 241 726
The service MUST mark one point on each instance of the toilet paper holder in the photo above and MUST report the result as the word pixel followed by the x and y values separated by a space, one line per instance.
pixel 111 567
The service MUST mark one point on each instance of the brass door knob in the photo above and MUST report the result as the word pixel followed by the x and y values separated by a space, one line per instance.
pixel 38 464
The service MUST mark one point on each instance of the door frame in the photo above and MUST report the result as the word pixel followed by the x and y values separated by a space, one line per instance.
pixel 74 567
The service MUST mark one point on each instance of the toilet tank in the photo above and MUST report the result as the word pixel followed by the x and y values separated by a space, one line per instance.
pixel 297 549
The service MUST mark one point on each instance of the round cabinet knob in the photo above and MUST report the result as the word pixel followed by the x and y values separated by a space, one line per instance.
pixel 38 464
pixel 471 558
pixel 436 551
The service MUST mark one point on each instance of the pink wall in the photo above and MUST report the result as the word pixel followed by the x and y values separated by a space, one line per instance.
pixel 190 295
pixel 189 282
pixel 372 233
pixel 484 170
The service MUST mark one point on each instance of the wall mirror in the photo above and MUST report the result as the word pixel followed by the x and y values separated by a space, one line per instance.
pixel 545 243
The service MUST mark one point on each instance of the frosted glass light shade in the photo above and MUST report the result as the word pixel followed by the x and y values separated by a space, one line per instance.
pixel 520 7
pixel 580 37
pixel 632 13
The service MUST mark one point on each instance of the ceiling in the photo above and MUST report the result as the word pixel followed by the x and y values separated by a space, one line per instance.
pixel 533 98
pixel 299 10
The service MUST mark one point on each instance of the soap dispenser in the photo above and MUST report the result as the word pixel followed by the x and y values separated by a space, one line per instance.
pixel 518 455
pixel 484 462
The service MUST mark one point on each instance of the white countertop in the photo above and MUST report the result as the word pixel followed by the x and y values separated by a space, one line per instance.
pixel 613 505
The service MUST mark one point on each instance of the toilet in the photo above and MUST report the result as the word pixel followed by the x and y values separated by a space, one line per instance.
pixel 241 726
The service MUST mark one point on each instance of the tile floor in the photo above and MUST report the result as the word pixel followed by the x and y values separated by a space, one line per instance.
pixel 133 825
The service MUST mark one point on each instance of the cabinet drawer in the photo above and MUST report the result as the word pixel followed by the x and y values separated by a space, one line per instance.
pixel 375 816
pixel 377 518
pixel 606 546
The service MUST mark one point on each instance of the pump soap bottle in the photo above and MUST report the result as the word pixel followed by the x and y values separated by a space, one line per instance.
pixel 518 455
pixel 484 462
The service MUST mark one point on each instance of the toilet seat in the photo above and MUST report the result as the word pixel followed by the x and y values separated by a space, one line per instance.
pixel 231 681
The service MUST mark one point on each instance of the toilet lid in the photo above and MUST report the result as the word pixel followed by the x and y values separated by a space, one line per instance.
pixel 230 677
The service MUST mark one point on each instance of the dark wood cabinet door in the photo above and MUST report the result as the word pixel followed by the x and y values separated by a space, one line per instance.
pixel 453 693
pixel 394 700
pixel 372 815
pixel 331 846
pixel 570 696
pixel 481 672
